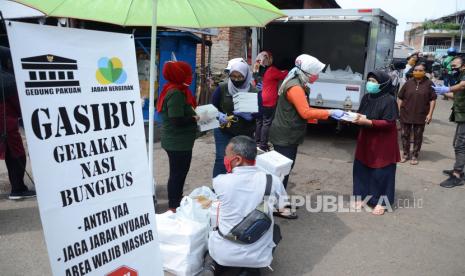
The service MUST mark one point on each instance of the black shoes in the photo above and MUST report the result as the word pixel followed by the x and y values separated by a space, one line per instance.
pixel 452 182
pixel 22 195
pixel 209 266
pixel 250 272
pixel 450 172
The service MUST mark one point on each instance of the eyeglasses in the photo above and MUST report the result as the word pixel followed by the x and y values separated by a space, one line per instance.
pixel 236 78
pixel 305 73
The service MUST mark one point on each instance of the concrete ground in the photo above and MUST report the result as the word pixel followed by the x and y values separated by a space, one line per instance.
pixel 410 241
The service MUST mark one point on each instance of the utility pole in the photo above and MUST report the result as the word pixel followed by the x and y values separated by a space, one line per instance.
pixel 461 33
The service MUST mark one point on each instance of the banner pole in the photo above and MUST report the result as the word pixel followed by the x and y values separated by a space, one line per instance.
pixel 153 77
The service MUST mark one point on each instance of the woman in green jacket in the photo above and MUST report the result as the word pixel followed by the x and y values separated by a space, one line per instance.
pixel 179 129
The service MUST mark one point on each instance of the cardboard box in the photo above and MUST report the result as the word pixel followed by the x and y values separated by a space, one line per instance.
pixel 275 163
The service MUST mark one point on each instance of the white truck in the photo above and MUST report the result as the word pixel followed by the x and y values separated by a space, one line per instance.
pixel 351 42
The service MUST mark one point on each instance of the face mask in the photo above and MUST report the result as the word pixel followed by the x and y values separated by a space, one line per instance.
pixel 455 72
pixel 418 75
pixel 227 163
pixel 312 78
pixel 238 84
pixel 372 87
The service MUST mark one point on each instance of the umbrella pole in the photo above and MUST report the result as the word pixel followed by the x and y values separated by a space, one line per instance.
pixel 153 77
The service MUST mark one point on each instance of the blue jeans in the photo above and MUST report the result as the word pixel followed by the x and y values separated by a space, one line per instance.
pixel 221 141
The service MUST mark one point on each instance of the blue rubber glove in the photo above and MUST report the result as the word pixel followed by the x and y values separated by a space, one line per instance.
pixel 336 114
pixel 244 115
pixel 259 86
pixel 222 118
pixel 440 89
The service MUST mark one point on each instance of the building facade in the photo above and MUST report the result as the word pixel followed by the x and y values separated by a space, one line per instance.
pixel 437 35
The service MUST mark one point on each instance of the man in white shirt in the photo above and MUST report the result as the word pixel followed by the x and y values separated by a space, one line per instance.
pixel 239 193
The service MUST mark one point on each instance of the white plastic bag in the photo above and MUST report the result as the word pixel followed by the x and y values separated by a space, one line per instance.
pixel 191 209
pixel 207 117
pixel 184 235
pixel 183 243
pixel 203 191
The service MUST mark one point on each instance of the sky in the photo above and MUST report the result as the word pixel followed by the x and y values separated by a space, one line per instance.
pixel 408 10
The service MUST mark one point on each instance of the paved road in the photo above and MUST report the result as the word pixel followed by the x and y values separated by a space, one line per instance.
pixel 410 241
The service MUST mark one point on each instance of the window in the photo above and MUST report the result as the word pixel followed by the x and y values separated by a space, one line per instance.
pixel 52 75
pixel 61 75
pixel 70 75
pixel 32 75
pixel 42 75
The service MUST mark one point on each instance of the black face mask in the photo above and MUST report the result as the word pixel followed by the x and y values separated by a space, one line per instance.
pixel 238 84
pixel 455 72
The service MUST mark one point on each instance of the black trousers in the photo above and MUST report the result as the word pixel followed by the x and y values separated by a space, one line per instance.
pixel 263 125
pixel 291 153
pixel 459 147
pixel 180 162
pixel 16 167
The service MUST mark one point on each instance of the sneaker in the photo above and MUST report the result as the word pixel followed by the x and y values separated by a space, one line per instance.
pixel 451 172
pixel 209 266
pixel 451 182
pixel 22 195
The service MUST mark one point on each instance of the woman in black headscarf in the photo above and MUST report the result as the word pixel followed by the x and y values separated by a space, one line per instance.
pixel 377 148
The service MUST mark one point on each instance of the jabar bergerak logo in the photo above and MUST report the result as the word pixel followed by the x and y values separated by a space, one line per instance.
pixel 50 74
pixel 110 74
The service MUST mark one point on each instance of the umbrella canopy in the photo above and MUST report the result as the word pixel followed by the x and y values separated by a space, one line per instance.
pixel 171 13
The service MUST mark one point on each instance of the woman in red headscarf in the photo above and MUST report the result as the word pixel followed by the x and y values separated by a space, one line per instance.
pixel 176 107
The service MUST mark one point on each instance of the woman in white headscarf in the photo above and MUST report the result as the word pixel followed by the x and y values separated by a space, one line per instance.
pixel 232 123
pixel 293 112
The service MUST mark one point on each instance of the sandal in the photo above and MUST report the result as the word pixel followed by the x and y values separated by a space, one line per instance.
pixel 289 206
pixel 379 210
pixel 285 213
pixel 414 161
pixel 404 159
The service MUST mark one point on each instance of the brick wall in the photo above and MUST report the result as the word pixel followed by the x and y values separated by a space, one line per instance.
pixel 220 50
pixel 237 42
pixel 230 43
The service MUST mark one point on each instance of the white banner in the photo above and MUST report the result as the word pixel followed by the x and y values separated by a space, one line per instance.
pixel 79 95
